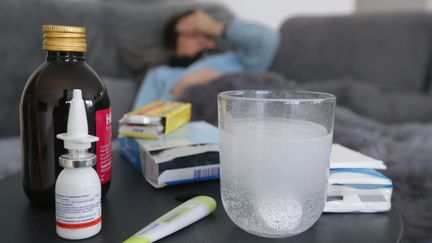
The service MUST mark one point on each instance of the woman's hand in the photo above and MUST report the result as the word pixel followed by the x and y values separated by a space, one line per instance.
pixel 200 21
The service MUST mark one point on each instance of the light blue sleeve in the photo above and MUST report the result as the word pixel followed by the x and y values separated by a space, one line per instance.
pixel 256 43
pixel 148 90
pixel 155 86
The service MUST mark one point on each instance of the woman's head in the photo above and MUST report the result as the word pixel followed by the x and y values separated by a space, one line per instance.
pixel 185 44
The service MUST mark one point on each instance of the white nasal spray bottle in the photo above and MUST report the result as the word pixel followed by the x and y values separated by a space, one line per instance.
pixel 78 189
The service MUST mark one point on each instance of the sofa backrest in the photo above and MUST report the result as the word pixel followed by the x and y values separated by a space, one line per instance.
pixel 388 50
pixel 123 38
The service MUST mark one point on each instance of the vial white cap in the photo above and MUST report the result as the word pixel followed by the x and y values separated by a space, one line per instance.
pixel 77 136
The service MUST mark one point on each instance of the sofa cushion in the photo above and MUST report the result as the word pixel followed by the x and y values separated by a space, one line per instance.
pixel 387 50
pixel 10 150
pixel 381 104
pixel 122 95
pixel 390 106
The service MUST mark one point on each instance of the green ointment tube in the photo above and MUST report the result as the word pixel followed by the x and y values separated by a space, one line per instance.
pixel 176 219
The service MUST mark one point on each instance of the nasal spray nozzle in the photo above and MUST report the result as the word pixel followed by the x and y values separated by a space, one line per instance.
pixel 76 139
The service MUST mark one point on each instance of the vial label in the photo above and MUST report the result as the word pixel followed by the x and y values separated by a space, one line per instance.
pixel 103 146
pixel 78 212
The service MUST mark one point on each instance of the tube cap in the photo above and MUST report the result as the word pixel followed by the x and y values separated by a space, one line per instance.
pixel 77 137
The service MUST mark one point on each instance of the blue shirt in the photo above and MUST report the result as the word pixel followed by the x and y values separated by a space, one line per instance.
pixel 256 46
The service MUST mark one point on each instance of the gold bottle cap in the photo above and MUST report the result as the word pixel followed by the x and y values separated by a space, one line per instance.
pixel 64 38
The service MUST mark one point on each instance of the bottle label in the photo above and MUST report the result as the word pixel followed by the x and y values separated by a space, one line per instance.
pixel 103 146
pixel 78 212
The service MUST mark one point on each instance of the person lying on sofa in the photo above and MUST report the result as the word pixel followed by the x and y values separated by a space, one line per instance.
pixel 190 39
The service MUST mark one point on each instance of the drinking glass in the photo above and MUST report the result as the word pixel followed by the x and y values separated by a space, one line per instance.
pixel 275 148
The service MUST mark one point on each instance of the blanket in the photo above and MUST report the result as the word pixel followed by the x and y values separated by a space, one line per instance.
pixel 406 147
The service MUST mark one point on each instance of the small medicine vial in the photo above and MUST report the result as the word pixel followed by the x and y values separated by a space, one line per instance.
pixel 78 188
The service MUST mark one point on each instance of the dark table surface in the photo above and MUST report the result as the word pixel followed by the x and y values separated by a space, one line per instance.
pixel 132 203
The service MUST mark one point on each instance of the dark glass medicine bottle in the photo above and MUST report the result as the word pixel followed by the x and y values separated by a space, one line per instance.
pixel 44 111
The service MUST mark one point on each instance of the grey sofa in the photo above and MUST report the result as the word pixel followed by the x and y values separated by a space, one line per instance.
pixel 379 66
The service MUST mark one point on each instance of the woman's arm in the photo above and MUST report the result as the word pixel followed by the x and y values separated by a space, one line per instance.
pixel 199 77
pixel 149 91
pixel 256 43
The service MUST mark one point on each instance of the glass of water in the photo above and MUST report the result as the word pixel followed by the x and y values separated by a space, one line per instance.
pixel 275 148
